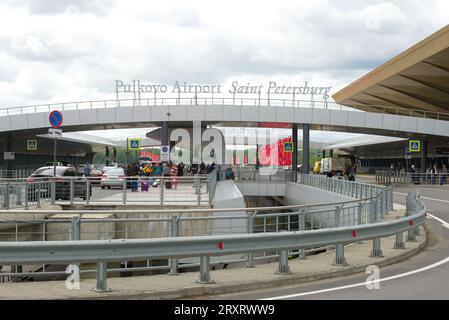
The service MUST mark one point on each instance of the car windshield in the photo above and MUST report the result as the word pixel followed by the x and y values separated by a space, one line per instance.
pixel 114 172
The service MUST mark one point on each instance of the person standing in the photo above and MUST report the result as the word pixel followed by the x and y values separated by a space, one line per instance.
pixel 87 170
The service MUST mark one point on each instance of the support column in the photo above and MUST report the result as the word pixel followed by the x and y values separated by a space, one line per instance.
pixel 9 141
pixel 114 155
pixel 107 156
pixel 306 149
pixel 165 139
pixel 295 150
pixel 331 153
pixel 424 155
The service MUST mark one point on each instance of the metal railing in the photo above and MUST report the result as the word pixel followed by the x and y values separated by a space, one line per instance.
pixel 15 174
pixel 101 252
pixel 387 177
pixel 218 101
pixel 26 193
pixel 131 224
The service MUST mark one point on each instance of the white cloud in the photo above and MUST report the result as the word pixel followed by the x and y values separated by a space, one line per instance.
pixel 74 50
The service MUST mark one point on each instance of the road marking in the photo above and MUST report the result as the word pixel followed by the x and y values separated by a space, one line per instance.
pixel 435 265
pixel 431 199
pixel 444 223
pixel 402 275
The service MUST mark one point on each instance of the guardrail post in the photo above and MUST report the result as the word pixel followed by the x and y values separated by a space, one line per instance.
pixel 198 191
pixel 75 235
pixel 6 203
pixel 411 235
pixel 18 189
pixel 340 259
pixel 102 280
pixel 87 192
pixel 204 271
pixel 39 194
pixel 337 217
pixel 377 251
pixel 250 230
pixel 174 233
pixel 26 196
pixel 302 227
pixel 72 190
pixel 124 190
pixel 399 243
pixel 161 191
pixel 359 213
pixel 53 190
pixel 283 267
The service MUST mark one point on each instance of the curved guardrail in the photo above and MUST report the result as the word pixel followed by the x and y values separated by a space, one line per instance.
pixel 103 251
pixel 218 101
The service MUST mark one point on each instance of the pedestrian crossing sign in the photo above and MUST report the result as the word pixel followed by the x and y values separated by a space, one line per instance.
pixel 134 144
pixel 414 146
pixel 288 147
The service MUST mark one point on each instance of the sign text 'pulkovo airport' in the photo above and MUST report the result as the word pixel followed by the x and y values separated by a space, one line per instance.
pixel 235 87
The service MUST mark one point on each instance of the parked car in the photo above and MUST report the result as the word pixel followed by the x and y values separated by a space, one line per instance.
pixel 40 183
pixel 112 177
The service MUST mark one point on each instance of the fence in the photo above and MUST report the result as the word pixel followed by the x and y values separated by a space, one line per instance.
pixel 387 177
pixel 150 224
pixel 15 174
pixel 25 193
pixel 219 101
pixel 101 252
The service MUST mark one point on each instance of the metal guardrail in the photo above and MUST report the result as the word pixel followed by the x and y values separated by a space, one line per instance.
pixel 256 220
pixel 387 177
pixel 101 252
pixel 216 101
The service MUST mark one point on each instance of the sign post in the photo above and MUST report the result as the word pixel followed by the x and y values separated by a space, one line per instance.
pixel 55 118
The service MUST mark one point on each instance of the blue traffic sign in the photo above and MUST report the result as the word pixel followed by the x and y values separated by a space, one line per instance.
pixel 414 146
pixel 134 144
pixel 55 119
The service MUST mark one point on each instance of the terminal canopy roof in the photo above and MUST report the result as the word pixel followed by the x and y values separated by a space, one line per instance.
pixel 417 80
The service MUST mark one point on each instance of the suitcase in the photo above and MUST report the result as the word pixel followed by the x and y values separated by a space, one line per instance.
pixel 155 184
pixel 134 185
pixel 144 185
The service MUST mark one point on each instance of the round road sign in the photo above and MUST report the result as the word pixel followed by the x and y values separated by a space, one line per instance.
pixel 55 119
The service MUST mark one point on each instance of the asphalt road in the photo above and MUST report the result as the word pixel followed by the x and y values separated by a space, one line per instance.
pixel 424 276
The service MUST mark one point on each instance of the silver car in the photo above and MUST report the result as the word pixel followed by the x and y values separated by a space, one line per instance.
pixel 112 177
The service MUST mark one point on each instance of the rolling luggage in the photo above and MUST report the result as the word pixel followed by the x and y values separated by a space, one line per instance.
pixel 155 183
pixel 144 185
pixel 168 184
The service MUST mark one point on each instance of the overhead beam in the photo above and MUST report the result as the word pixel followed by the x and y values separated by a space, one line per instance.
pixel 427 84
pixel 421 100
pixel 437 66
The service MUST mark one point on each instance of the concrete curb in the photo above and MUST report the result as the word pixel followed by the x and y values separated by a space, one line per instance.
pixel 283 280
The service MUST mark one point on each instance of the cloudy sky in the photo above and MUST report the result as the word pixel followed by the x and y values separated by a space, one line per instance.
pixel 68 50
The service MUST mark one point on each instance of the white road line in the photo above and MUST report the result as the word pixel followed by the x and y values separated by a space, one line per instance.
pixel 435 265
pixel 444 223
pixel 402 275
pixel 431 199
